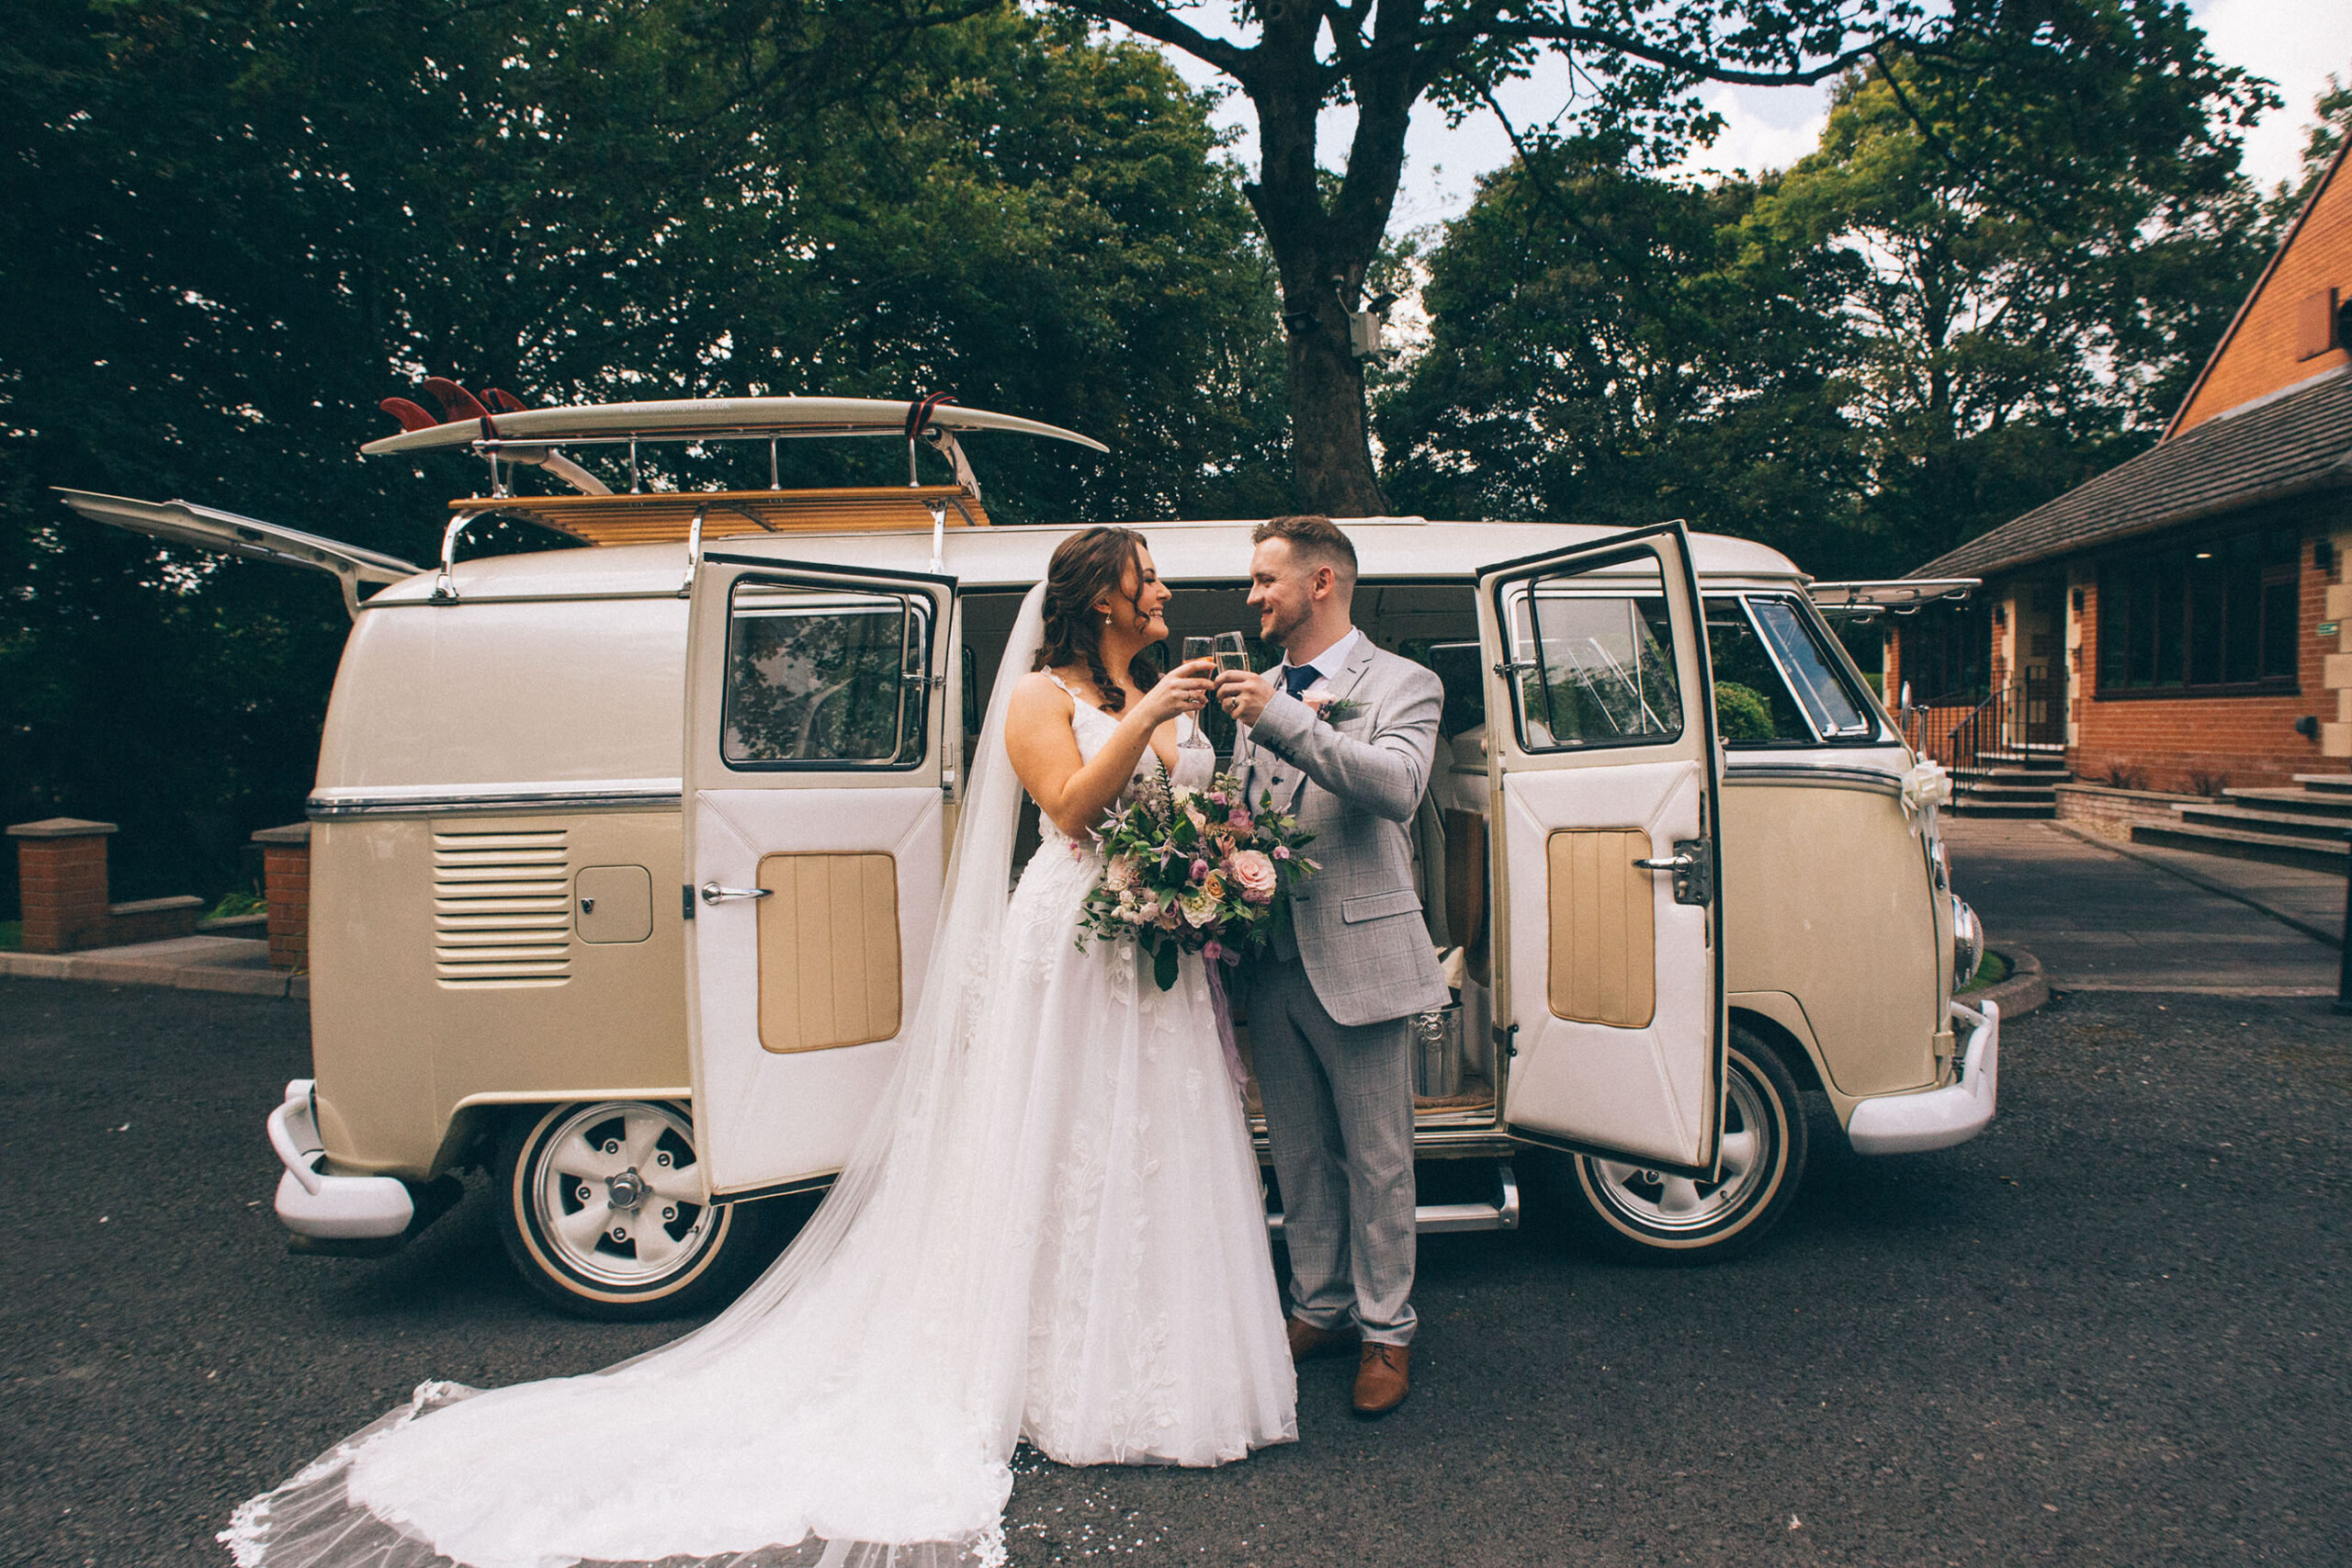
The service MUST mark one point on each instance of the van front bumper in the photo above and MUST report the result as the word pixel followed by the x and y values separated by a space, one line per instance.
pixel 1938 1118
pixel 320 1207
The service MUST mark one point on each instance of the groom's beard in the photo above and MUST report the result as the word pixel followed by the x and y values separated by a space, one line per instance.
pixel 1278 632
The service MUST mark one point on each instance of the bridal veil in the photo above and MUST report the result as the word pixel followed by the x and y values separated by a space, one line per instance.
pixel 858 1405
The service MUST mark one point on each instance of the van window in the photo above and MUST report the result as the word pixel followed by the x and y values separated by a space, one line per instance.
pixel 1835 712
pixel 819 678
pixel 1592 668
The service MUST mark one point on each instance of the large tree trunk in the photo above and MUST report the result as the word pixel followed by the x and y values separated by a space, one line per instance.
pixel 1331 454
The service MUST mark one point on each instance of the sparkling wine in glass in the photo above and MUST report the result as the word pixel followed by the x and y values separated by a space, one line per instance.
pixel 1232 651
pixel 1188 732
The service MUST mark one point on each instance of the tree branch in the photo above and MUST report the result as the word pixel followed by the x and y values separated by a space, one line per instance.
pixel 1160 25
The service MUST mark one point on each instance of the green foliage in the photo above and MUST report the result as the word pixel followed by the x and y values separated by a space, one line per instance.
pixel 1605 350
pixel 1741 714
pixel 1909 337
pixel 230 229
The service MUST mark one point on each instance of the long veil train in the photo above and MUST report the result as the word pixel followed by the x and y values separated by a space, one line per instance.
pixel 858 1405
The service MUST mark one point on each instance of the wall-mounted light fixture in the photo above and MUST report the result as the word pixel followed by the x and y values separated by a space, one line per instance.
pixel 2307 727
pixel 2323 555
pixel 2078 601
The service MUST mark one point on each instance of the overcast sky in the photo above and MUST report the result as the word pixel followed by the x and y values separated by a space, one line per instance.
pixel 2295 43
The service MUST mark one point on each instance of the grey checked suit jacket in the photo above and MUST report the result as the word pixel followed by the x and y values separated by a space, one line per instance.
pixel 1356 785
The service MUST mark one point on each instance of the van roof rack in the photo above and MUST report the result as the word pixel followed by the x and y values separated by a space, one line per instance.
pixel 668 516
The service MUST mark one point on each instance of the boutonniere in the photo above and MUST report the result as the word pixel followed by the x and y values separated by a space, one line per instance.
pixel 1331 709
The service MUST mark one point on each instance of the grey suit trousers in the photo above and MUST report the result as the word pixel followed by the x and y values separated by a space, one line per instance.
pixel 1339 1101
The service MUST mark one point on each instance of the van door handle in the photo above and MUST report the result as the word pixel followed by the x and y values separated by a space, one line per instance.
pixel 712 892
pixel 1680 863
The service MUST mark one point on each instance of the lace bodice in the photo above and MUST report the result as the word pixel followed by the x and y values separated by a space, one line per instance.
pixel 1195 759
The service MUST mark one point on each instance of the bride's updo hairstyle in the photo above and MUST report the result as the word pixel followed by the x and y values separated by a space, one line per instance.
pixel 1085 567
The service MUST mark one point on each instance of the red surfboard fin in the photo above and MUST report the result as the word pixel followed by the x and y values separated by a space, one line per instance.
pixel 456 402
pixel 411 416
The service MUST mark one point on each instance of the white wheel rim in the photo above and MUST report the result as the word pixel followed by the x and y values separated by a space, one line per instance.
pixel 613 1195
pixel 1664 1202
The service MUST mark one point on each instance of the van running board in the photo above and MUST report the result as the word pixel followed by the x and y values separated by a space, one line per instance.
pixel 1441 1219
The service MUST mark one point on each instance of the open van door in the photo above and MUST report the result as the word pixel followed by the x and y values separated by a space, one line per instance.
pixel 818 743
pixel 1609 941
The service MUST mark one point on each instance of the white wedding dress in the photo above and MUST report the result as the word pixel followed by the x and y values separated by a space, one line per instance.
pixel 1052 1230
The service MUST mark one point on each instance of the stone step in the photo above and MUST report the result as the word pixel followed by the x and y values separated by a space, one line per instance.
pixel 2316 803
pixel 2331 783
pixel 2277 849
pixel 1963 806
pixel 2283 824
pixel 2034 776
pixel 2040 758
pixel 1973 789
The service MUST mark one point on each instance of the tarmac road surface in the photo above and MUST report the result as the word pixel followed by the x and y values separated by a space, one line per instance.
pixel 2112 1330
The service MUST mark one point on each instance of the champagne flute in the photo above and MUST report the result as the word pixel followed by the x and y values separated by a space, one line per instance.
pixel 1196 648
pixel 1232 651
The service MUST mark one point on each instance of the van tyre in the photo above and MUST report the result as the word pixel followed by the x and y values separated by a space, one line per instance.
pixel 1638 1212
pixel 602 1213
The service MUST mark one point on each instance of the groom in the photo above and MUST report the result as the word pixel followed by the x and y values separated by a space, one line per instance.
pixel 1341 735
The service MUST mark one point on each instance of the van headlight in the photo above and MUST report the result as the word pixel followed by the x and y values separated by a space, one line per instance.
pixel 1967 943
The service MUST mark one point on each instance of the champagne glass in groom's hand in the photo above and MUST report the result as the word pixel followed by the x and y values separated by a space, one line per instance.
pixel 1232 650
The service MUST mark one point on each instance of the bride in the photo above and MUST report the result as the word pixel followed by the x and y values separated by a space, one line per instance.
pixel 1051 1229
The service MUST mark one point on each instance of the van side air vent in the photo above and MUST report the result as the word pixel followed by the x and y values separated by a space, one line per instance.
pixel 502 909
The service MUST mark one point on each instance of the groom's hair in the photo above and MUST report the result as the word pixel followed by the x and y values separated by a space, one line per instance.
pixel 1315 540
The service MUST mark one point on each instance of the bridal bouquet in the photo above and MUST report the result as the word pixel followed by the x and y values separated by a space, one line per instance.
pixel 1194 870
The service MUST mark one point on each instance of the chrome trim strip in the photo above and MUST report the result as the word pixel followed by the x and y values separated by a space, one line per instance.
pixel 650 796
pixel 1819 777
pixel 471 599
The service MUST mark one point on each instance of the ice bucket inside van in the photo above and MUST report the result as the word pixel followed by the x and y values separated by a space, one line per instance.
pixel 1437 1052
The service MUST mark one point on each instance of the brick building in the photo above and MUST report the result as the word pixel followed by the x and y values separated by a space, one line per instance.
pixel 2182 622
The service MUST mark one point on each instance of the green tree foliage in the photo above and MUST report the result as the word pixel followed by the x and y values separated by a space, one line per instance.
pixel 230 229
pixel 1909 337
pixel 1605 348
pixel 2014 333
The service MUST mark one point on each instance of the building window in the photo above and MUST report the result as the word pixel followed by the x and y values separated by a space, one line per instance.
pixel 2218 615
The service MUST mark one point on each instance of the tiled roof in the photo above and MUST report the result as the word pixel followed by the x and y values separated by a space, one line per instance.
pixel 2284 445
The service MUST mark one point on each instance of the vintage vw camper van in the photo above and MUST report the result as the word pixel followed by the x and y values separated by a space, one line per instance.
pixel 626 858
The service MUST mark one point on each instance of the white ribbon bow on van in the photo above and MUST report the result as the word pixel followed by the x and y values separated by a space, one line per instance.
pixel 1927 786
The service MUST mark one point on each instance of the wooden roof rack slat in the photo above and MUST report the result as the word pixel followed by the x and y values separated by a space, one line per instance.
pixel 667 516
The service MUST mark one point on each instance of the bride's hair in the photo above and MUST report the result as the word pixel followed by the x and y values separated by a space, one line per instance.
pixel 1085 567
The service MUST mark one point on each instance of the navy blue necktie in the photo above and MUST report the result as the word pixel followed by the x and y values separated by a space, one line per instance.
pixel 1296 679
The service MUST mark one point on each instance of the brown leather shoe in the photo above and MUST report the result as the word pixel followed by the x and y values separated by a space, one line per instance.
pixel 1381 1381
pixel 1309 1343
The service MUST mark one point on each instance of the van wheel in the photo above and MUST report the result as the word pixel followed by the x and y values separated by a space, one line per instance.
pixel 1641 1212
pixel 603 1215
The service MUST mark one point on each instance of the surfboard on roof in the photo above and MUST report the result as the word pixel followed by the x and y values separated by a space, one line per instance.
pixel 687 419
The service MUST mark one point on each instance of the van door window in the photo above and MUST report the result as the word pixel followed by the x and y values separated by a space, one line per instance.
pixel 1835 712
pixel 817 677
pixel 1592 668
pixel 1753 704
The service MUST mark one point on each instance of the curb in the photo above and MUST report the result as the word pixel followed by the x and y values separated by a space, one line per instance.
pixel 170 976
pixel 2025 991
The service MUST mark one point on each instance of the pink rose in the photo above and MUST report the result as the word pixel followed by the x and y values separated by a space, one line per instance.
pixel 1253 873
pixel 1199 869
pixel 1281 851
pixel 1240 822
pixel 1120 875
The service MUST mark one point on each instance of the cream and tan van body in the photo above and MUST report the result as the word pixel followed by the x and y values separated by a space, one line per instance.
pixel 504 912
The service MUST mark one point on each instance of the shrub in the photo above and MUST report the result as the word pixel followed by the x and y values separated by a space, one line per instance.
pixel 1741 714
pixel 2124 776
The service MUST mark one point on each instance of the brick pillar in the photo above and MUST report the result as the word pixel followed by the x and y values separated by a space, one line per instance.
pixel 62 883
pixel 285 883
